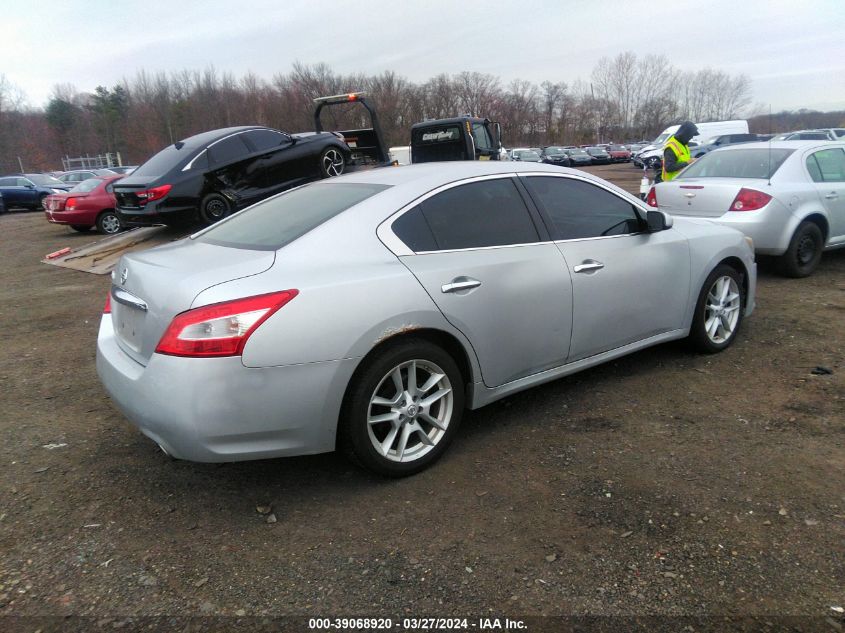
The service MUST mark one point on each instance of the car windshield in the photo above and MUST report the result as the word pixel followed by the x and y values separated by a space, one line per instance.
pixel 618 148
pixel 43 180
pixel 576 152
pixel 87 185
pixel 740 163
pixel 273 223
pixel 595 150
pixel 168 158
pixel 528 155
pixel 554 151
pixel 661 139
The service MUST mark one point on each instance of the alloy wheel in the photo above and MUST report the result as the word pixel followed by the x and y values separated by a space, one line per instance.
pixel 110 224
pixel 410 410
pixel 333 162
pixel 721 309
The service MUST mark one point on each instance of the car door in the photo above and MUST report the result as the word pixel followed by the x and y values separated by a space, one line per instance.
pixel 827 170
pixel 477 251
pixel 282 163
pixel 235 172
pixel 12 193
pixel 28 192
pixel 627 284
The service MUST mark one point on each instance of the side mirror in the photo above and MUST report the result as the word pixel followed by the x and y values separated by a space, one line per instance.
pixel 29 185
pixel 658 221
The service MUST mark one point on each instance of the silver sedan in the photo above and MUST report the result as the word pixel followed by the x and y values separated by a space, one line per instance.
pixel 788 196
pixel 367 313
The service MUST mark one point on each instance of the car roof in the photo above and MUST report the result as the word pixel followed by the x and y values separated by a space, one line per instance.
pixel 205 138
pixel 782 145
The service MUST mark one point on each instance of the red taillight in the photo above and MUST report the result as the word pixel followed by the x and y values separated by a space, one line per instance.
pixel 70 204
pixel 107 307
pixel 651 198
pixel 749 200
pixel 220 329
pixel 156 193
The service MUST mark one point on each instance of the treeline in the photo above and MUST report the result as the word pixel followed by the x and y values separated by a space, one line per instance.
pixel 627 98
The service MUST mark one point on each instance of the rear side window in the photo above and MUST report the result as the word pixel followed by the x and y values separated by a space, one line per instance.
pixel 581 210
pixel 737 163
pixel 228 150
pixel 475 215
pixel 827 165
pixel 273 223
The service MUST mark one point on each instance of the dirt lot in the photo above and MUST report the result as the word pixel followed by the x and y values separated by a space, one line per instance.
pixel 663 483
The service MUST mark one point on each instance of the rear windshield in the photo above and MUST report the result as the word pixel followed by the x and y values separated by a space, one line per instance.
pixel 87 185
pixel 273 223
pixel 164 161
pixel 739 163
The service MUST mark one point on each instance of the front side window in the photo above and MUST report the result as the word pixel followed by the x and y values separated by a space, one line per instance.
pixel 475 215
pixel 827 165
pixel 228 150
pixel 264 140
pixel 482 138
pixel 581 210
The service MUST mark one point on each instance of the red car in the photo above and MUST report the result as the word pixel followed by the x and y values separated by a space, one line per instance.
pixel 90 203
pixel 619 153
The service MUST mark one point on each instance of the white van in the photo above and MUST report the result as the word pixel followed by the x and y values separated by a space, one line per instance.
pixel 652 155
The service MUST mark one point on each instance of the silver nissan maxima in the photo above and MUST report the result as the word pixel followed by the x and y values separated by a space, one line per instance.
pixel 367 312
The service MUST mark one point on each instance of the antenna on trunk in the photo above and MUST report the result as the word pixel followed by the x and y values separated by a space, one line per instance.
pixel 769 170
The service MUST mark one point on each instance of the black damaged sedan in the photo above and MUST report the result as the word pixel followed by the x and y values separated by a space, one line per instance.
pixel 208 176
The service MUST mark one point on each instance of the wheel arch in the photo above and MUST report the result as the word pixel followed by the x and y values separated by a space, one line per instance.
pixel 739 266
pixel 445 340
pixel 819 220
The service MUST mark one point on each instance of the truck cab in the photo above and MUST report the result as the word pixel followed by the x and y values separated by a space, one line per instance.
pixel 460 138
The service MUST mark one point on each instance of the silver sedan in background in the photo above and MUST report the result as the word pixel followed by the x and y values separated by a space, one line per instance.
pixel 368 312
pixel 788 196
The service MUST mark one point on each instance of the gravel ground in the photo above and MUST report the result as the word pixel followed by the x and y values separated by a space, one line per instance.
pixel 665 483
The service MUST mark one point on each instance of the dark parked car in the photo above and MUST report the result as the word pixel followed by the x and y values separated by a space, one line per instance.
pixel 599 155
pixel 208 176
pixel 722 140
pixel 555 156
pixel 76 176
pixel 29 190
pixel 579 157
pixel 2 206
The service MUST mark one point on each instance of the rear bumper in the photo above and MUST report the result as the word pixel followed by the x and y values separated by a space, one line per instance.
pixel 155 213
pixel 771 228
pixel 217 410
pixel 79 218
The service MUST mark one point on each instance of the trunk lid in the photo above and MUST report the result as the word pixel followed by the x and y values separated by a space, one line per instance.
pixel 150 287
pixel 126 188
pixel 702 197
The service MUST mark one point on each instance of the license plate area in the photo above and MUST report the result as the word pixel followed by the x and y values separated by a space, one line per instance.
pixel 128 324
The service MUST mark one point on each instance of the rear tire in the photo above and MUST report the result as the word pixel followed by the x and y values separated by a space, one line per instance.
pixel 214 207
pixel 402 409
pixel 718 311
pixel 804 253
pixel 108 223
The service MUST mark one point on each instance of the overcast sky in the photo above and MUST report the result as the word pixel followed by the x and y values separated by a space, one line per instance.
pixel 793 51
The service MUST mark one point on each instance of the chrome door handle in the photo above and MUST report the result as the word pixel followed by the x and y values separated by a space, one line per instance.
pixel 832 195
pixel 588 266
pixel 460 283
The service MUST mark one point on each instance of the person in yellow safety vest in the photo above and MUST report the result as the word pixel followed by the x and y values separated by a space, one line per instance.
pixel 676 154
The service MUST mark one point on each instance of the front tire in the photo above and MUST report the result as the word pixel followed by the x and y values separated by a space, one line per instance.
pixel 108 223
pixel 332 162
pixel 402 409
pixel 213 208
pixel 804 253
pixel 718 311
